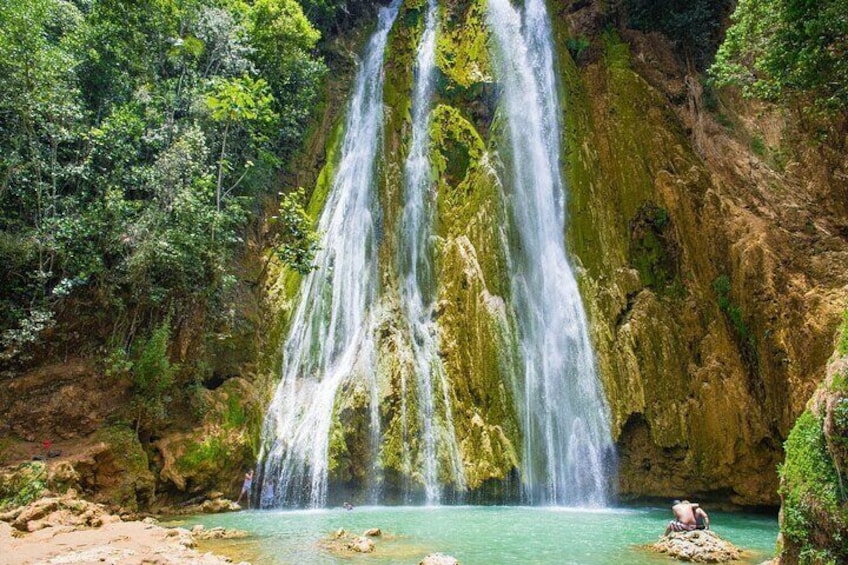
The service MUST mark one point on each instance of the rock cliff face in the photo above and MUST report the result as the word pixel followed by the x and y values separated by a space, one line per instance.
pixel 713 275
pixel 710 236
pixel 710 248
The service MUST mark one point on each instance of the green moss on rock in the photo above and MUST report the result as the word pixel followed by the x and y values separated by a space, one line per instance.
pixel 814 476
pixel 21 485
pixel 462 52
pixel 123 477
pixel 213 456
pixel 653 250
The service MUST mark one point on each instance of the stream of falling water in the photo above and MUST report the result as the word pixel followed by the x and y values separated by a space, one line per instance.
pixel 331 334
pixel 567 452
pixel 417 288
pixel 567 449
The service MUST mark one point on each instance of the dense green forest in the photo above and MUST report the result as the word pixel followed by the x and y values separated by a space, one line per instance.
pixel 138 141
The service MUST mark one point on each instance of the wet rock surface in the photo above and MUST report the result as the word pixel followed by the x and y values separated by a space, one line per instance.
pixel 199 532
pixel 439 559
pixel 699 546
pixel 345 543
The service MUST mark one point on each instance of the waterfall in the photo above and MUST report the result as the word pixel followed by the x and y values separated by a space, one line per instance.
pixel 331 334
pixel 417 286
pixel 567 452
pixel 565 420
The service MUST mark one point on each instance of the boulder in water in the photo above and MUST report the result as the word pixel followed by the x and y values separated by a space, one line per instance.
pixel 439 559
pixel 699 546
pixel 201 533
pixel 218 505
pixel 361 545
pixel 373 533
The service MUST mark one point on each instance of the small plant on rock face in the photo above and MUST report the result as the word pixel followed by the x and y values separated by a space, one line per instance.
pixel 153 377
pixel 842 348
pixel 297 242
pixel 758 146
pixel 577 45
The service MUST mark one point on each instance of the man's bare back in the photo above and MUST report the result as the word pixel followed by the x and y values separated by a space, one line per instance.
pixel 685 517
pixel 684 512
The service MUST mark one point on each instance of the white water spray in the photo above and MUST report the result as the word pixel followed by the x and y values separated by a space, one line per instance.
pixel 567 445
pixel 417 288
pixel 331 336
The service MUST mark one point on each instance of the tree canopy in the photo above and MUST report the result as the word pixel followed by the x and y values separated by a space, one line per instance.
pixel 778 48
pixel 135 140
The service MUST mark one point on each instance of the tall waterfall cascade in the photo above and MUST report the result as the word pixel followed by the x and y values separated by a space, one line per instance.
pixel 331 328
pixel 564 416
pixel 566 448
pixel 418 289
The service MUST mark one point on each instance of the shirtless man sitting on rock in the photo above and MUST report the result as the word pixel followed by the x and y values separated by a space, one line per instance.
pixel 688 516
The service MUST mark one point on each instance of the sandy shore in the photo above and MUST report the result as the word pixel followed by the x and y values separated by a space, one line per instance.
pixel 67 530
pixel 116 542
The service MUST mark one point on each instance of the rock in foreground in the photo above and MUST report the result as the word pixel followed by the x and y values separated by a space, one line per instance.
pixel 700 546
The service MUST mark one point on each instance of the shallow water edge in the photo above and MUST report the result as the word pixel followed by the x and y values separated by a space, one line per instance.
pixel 476 534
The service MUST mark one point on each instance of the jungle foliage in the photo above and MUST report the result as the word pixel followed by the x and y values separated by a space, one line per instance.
pixel 137 141
pixel 777 49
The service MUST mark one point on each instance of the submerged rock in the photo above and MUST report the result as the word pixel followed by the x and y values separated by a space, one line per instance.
pixel 700 546
pixel 201 533
pixel 439 559
pixel 343 542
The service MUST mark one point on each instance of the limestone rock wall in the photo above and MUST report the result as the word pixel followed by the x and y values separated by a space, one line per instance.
pixel 711 275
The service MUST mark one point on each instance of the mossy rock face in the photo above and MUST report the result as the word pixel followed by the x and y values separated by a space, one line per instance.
pixel 120 476
pixel 462 56
pixel 653 251
pixel 676 381
pixel 814 516
pixel 351 464
pixel 214 456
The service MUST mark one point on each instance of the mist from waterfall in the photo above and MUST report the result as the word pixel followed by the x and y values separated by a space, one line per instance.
pixel 567 447
pixel 331 335
pixel 418 287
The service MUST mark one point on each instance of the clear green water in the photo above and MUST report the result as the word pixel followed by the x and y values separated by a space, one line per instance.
pixel 475 535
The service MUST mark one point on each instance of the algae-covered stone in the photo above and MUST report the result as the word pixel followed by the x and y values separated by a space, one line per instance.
pixel 213 456
pixel 119 474
pixel 814 515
